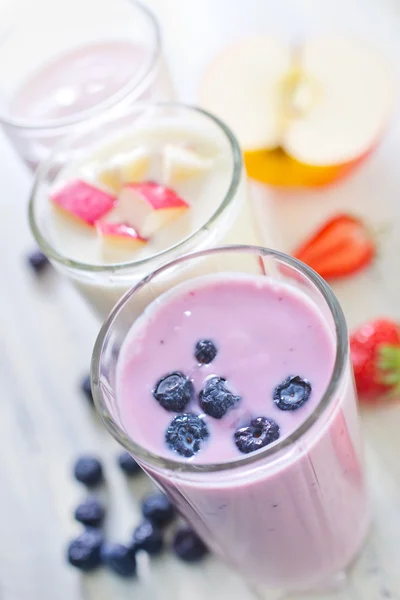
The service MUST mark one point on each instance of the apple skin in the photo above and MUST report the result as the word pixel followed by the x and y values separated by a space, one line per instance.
pixel 157 196
pixel 150 206
pixel 120 234
pixel 83 202
pixel 277 168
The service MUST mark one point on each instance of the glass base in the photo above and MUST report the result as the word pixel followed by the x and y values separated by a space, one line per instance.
pixel 333 589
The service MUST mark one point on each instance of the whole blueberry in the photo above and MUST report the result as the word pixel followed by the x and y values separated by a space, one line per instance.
pixel 148 537
pixel 38 261
pixel 215 399
pixel 259 433
pixel 86 388
pixel 90 512
pixel 158 509
pixel 174 391
pixel 185 434
pixel 84 551
pixel 88 470
pixel 119 559
pixel 188 546
pixel 292 393
pixel 205 351
pixel 128 464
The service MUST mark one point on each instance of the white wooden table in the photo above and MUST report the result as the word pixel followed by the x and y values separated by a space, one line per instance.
pixel 47 333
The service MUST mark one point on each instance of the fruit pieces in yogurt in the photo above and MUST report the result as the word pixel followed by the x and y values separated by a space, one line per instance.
pixel 132 200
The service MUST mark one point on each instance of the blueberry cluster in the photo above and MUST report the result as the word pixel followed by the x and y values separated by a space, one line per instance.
pixel 187 431
pixel 90 549
pixel 291 394
pixel 174 391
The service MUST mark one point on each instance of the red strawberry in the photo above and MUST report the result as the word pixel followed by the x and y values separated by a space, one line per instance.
pixel 375 353
pixel 341 247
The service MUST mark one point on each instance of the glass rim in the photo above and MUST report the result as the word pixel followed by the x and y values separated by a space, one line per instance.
pixel 157 461
pixel 108 103
pixel 53 254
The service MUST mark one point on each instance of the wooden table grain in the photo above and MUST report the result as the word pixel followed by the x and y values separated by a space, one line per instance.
pixel 47 333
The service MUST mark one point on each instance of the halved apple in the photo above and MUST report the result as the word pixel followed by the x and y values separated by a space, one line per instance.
pixel 83 201
pixel 116 237
pixel 304 115
pixel 180 163
pixel 148 206
pixel 125 168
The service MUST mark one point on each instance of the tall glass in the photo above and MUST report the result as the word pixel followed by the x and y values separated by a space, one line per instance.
pixel 231 212
pixel 294 515
pixel 63 63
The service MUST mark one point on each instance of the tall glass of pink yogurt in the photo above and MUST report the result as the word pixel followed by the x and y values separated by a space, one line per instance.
pixel 64 63
pixel 234 391
pixel 188 151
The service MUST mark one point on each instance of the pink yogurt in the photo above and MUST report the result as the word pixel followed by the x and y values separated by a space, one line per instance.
pixel 288 520
pixel 79 80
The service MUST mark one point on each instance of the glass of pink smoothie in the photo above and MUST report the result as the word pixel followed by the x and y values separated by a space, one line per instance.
pixel 234 391
pixel 64 63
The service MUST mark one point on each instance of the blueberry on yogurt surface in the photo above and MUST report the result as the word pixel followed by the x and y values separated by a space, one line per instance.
pixel 292 393
pixel 185 434
pixel 174 391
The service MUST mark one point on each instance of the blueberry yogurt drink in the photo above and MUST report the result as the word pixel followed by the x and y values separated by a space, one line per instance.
pixel 224 390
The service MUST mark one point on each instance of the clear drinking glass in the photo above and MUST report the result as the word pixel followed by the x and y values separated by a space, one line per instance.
pixel 294 515
pixel 63 63
pixel 230 219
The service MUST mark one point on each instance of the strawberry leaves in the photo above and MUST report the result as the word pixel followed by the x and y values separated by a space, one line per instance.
pixel 388 364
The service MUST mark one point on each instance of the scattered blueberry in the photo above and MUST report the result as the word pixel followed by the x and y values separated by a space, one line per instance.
pixel 215 399
pixel 128 464
pixel 292 393
pixel 259 433
pixel 119 559
pixel 88 470
pixel 188 546
pixel 185 434
pixel 158 509
pixel 90 512
pixel 205 351
pixel 87 388
pixel 84 552
pixel 149 538
pixel 38 261
pixel 174 391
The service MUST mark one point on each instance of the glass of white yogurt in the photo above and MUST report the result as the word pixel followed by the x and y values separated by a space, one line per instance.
pixel 137 189
pixel 62 63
